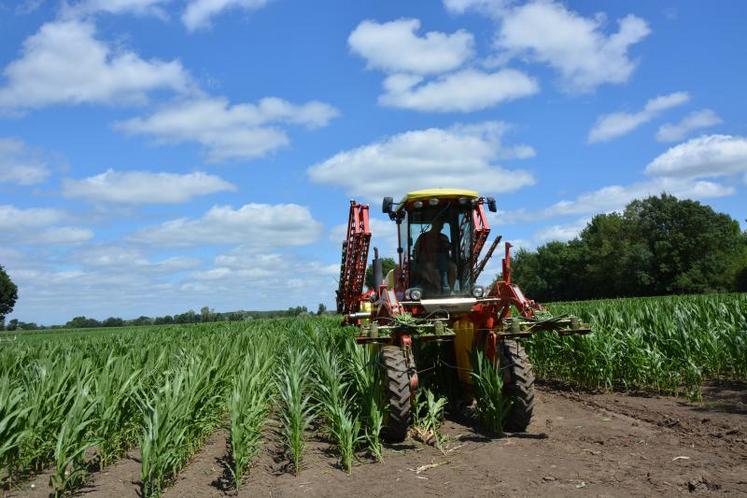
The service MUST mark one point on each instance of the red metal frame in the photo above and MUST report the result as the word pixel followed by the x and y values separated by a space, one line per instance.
pixel 482 230
pixel 354 259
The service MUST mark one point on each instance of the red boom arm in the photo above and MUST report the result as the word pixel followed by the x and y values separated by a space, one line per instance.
pixel 354 258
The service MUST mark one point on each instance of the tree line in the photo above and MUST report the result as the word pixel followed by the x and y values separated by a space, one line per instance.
pixel 656 246
pixel 205 315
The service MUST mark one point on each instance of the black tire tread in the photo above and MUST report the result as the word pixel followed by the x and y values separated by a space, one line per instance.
pixel 518 385
pixel 397 391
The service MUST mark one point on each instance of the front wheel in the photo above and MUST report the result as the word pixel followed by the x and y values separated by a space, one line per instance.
pixel 397 392
pixel 518 385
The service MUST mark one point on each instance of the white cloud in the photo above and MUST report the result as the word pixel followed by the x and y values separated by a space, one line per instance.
pixel 122 258
pixel 13 218
pixel 493 8
pixel 256 225
pixel 465 91
pixel 240 131
pixel 561 233
pixel 139 7
pixel 20 165
pixel 408 59
pixel 673 132
pixel 143 187
pixel 63 63
pixel 39 226
pixel 578 47
pixel 615 197
pixel 199 13
pixel 614 125
pixel 705 156
pixel 461 156
pixel 395 47
pixel 60 235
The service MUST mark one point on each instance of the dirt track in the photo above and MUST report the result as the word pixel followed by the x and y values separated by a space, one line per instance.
pixel 578 444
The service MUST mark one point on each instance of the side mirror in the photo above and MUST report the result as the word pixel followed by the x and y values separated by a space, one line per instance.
pixel 491 205
pixel 386 206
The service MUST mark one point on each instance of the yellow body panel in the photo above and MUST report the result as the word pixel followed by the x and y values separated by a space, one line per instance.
pixel 465 334
pixel 437 192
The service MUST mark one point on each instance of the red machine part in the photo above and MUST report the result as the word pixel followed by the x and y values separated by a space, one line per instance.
pixel 508 294
pixel 354 258
pixel 480 235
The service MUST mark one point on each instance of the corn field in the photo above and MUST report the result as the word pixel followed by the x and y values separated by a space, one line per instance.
pixel 74 402
pixel 670 344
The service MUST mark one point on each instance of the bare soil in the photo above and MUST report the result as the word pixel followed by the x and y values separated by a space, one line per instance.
pixel 578 444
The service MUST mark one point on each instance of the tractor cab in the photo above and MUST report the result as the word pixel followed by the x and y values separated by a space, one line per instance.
pixel 440 234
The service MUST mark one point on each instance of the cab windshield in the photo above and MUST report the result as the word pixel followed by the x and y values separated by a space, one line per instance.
pixel 439 248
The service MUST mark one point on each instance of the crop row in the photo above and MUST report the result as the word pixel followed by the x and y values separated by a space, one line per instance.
pixel 670 344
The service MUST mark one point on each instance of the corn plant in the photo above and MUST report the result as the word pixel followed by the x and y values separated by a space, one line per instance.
pixel 116 386
pixel 249 406
pixel 297 412
pixel 487 380
pixel 331 393
pixel 73 440
pixel 12 426
pixel 369 403
pixel 429 414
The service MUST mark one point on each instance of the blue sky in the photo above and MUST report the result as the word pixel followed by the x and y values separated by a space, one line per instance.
pixel 162 155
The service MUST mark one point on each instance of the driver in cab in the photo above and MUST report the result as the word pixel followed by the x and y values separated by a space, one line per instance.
pixel 432 254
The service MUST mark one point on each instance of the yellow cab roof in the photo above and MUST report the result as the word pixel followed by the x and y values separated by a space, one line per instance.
pixel 418 195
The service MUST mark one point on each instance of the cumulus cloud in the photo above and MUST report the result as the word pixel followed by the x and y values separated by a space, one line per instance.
pixel 423 72
pixel 576 46
pixel 396 47
pixel 139 7
pixel 12 218
pixel 63 63
pixel 705 156
pixel 119 257
pixel 581 49
pixel 493 8
pixel 673 132
pixel 615 197
pixel 19 164
pixel 60 235
pixel 461 156
pixel 199 13
pixel 255 225
pixel 143 187
pixel 464 91
pixel 561 233
pixel 39 226
pixel 614 125
pixel 240 131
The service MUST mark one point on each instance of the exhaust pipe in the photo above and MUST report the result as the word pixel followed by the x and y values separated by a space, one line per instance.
pixel 378 270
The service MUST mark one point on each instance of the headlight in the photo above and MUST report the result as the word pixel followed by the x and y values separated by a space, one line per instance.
pixel 478 291
pixel 414 294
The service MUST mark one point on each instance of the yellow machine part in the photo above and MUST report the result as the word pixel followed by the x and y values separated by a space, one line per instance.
pixel 366 306
pixel 419 195
pixel 465 333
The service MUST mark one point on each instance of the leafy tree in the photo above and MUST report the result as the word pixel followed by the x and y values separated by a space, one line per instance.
pixel 321 309
pixel 113 322
pixel 8 294
pixel 13 324
pixel 81 322
pixel 659 245
pixel 387 264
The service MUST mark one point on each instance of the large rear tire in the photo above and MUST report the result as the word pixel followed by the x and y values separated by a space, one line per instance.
pixel 397 393
pixel 518 385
